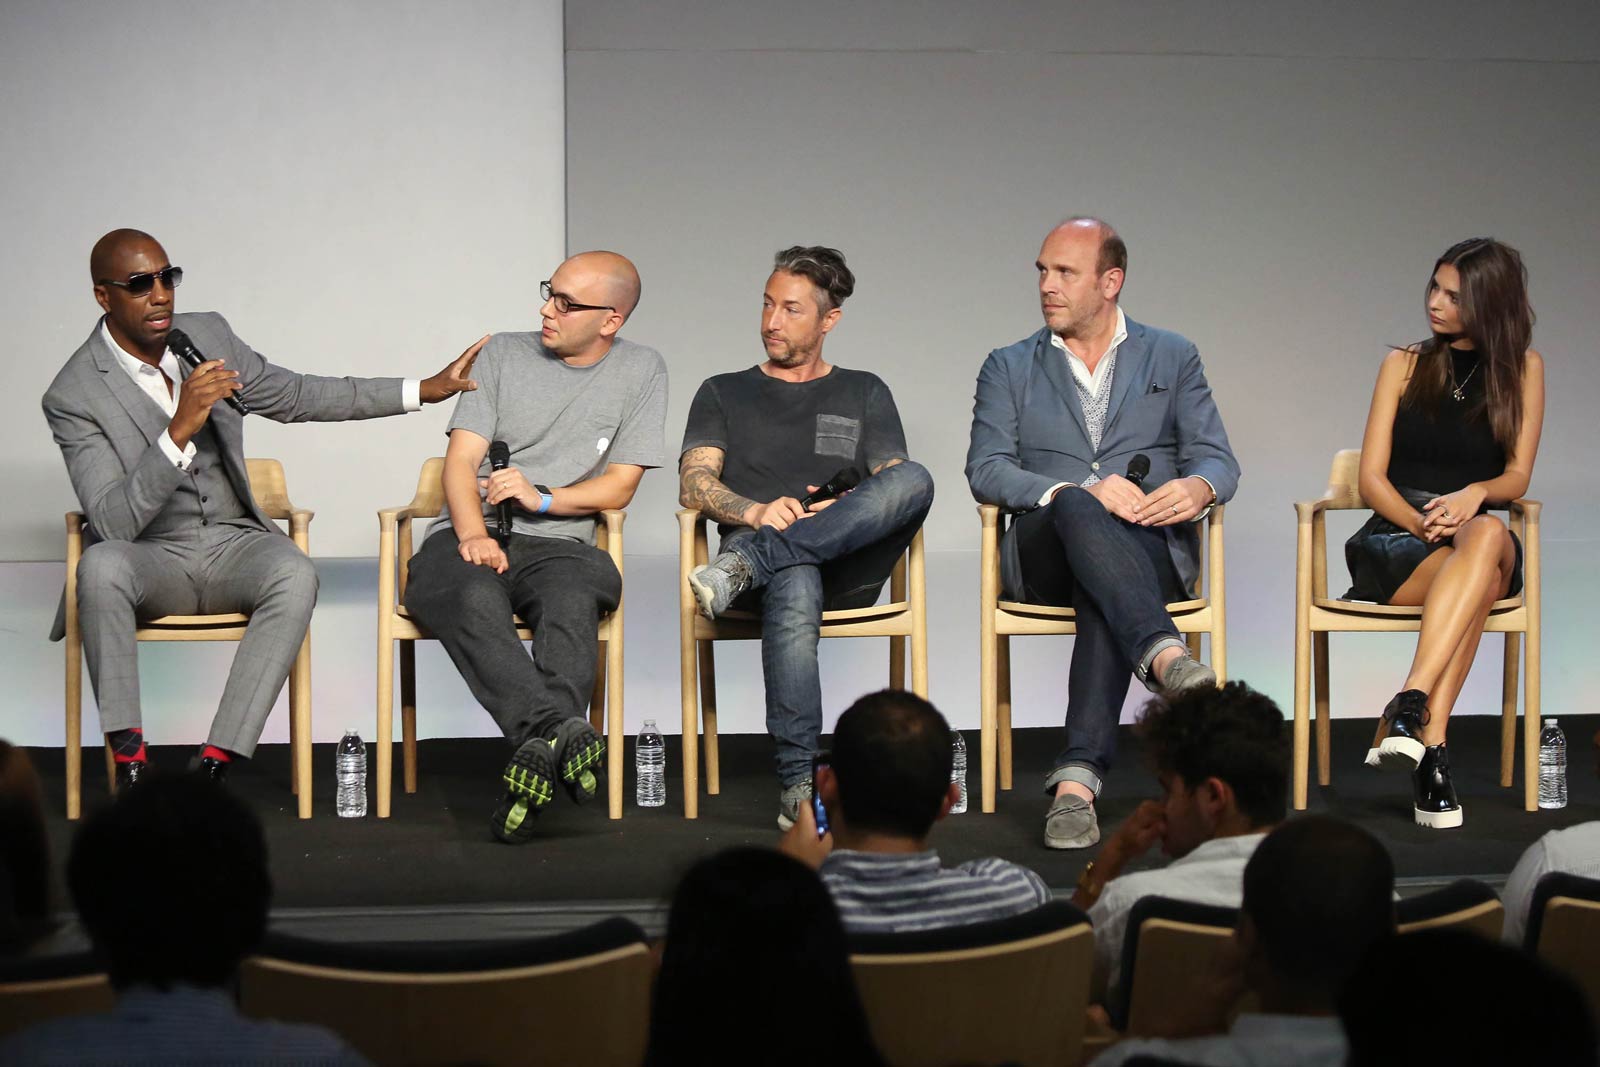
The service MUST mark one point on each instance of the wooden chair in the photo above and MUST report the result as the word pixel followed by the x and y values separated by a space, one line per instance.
pixel 1316 614
pixel 1001 620
pixel 1169 945
pixel 395 624
pixel 1014 990
pixel 579 997
pixel 1564 929
pixel 272 496
pixel 1463 904
pixel 904 615
pixel 36 988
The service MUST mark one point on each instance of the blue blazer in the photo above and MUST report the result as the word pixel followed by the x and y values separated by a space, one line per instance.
pixel 1028 431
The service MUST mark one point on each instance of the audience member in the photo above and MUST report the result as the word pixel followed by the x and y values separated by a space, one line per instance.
pixel 1318 894
pixel 1462 999
pixel 755 970
pixel 24 854
pixel 170 882
pixel 1573 850
pixel 1222 760
pixel 884 785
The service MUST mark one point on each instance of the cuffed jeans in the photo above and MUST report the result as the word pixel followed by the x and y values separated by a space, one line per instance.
pixel 559 587
pixel 1118 577
pixel 837 558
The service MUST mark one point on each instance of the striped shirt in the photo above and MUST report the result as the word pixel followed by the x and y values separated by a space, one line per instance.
pixel 881 892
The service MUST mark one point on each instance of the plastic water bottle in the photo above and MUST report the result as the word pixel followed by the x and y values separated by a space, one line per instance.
pixel 1552 766
pixel 650 767
pixel 351 793
pixel 958 770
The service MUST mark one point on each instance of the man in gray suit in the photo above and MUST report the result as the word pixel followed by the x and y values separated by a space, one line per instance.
pixel 1057 418
pixel 157 461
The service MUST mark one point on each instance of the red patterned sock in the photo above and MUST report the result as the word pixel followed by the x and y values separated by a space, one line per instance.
pixel 127 746
pixel 221 755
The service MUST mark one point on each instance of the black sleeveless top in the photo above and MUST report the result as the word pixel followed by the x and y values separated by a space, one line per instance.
pixel 1451 445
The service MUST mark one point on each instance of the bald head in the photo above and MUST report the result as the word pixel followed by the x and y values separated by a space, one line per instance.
pixel 1113 252
pixel 614 274
pixel 111 253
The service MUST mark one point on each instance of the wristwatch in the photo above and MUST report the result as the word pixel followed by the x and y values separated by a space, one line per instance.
pixel 1087 883
pixel 546 497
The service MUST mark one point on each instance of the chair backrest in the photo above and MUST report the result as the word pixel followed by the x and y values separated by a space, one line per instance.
pixel 1564 929
pixel 1344 481
pixel 1169 945
pixel 33 989
pixel 579 997
pixel 1463 904
pixel 1013 990
pixel 269 487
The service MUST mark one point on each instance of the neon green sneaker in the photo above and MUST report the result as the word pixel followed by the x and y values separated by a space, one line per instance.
pixel 530 781
pixel 580 754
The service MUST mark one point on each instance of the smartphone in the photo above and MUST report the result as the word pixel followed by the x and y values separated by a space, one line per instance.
pixel 819 760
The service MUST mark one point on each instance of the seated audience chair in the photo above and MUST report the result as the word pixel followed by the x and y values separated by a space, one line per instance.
pixel 1564 929
pixel 1169 945
pixel 581 997
pixel 395 624
pixel 904 615
pixel 1463 904
pixel 1000 620
pixel 36 988
pixel 1316 614
pixel 1012 990
pixel 272 495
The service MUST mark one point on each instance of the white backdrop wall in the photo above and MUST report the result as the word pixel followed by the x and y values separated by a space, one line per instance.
pixel 1284 175
pixel 361 188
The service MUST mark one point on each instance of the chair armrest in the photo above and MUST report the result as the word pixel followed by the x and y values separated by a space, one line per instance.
pixel 611 520
pixel 1526 509
pixel 689 518
pixel 989 516
pixel 1306 510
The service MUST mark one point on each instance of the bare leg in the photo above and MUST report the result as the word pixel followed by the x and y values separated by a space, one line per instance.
pixel 1451 593
pixel 1442 697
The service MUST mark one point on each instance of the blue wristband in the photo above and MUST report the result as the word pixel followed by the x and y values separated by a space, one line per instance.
pixel 546 498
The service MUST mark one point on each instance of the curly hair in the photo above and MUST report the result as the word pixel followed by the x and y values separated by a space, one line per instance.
pixel 1233 733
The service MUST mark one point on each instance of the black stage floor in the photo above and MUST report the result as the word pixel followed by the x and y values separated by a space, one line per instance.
pixel 433 864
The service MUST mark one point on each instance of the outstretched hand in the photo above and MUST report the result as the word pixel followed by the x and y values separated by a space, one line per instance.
pixel 453 379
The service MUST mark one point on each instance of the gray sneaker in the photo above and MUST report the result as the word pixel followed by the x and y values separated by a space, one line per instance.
pixel 718 584
pixel 1185 672
pixel 1071 823
pixel 789 802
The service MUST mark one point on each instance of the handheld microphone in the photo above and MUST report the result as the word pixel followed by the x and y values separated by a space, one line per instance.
pixel 184 349
pixel 499 460
pixel 1138 468
pixel 840 484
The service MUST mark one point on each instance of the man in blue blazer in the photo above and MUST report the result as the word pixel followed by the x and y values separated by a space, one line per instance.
pixel 1057 419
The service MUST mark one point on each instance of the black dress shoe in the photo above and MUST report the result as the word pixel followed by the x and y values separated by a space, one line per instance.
pixel 1436 806
pixel 130 773
pixel 207 767
pixel 1398 745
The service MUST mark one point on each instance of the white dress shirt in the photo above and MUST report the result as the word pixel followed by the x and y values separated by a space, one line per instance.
pixel 150 380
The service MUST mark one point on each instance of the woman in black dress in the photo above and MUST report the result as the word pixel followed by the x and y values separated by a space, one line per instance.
pixel 1453 429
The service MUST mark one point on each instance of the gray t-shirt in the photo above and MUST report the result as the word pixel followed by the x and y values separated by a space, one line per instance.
pixel 563 424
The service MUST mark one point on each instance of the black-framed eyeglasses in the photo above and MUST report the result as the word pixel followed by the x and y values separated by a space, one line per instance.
pixel 565 303
pixel 139 284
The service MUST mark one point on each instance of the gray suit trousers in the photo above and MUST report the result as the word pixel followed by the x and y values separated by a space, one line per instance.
pixel 207 570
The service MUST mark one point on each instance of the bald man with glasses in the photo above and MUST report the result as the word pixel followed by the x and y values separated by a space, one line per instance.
pixel 580 412
pixel 157 460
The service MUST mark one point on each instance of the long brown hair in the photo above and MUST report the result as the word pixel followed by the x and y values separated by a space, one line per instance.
pixel 1497 318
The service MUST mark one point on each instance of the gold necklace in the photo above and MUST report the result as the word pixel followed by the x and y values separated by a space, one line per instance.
pixel 1457 390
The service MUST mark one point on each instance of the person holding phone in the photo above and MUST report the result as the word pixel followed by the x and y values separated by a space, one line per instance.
pixel 1453 429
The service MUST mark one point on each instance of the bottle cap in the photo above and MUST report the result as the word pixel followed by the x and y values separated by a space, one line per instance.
pixel 649 724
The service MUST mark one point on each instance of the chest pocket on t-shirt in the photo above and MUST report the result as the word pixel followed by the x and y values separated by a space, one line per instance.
pixel 837 436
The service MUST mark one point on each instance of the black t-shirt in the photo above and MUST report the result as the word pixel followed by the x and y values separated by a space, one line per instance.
pixel 780 437
pixel 1451 445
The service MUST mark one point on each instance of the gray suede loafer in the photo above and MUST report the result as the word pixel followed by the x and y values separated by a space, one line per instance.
pixel 1071 823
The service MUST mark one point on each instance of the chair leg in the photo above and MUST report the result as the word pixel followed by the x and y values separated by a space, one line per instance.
pixel 1530 718
pixel 1324 713
pixel 1193 641
pixel 1219 654
pixel 897 663
pixel 688 694
pixel 74 693
pixel 614 746
pixel 1508 710
pixel 708 718
pixel 1302 715
pixel 111 770
pixel 1002 722
pixel 597 696
pixel 989 693
pixel 384 739
pixel 300 725
pixel 408 712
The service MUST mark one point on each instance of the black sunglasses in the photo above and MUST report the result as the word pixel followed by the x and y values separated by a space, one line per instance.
pixel 139 284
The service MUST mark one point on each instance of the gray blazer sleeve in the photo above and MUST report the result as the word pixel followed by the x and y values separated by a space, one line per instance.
pixel 1203 447
pixel 994 465
pixel 119 506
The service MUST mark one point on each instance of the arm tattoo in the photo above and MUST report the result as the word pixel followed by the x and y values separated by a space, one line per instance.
pixel 701 488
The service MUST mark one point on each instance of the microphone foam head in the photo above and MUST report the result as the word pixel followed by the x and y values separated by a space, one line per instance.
pixel 1138 467
pixel 499 454
pixel 846 480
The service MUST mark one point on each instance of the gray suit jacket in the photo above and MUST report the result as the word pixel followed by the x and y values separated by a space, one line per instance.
pixel 1028 430
pixel 107 428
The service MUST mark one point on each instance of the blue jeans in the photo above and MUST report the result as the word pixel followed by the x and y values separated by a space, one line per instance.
pixel 1118 577
pixel 838 558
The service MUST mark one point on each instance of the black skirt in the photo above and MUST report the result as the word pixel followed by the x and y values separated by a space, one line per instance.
pixel 1381 555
